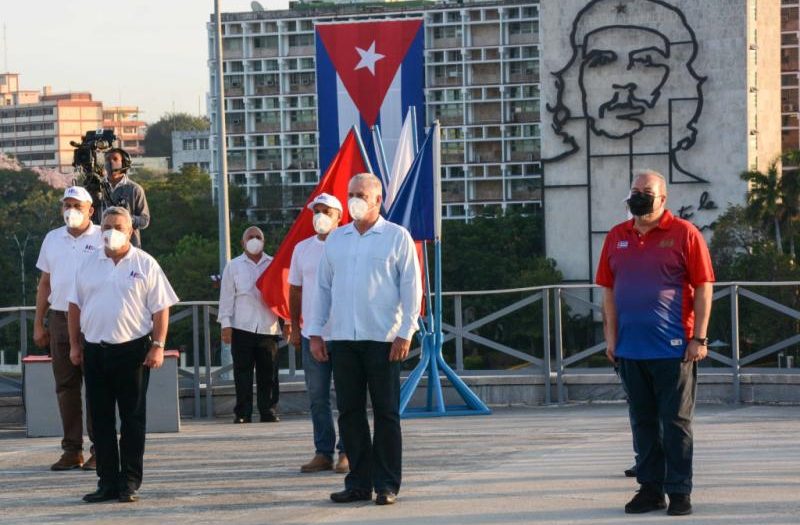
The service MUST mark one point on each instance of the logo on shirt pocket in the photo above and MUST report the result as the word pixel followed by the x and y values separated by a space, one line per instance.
pixel 676 342
pixel 622 244
pixel 667 243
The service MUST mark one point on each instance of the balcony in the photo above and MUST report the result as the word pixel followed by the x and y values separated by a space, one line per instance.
pixel 267 127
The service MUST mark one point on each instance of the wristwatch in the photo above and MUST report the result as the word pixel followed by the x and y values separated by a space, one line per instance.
pixel 702 340
pixel 159 344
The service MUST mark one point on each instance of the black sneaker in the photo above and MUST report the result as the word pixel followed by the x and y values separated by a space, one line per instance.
pixel 647 499
pixel 679 505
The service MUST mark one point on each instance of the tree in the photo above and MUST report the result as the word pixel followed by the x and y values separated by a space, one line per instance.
pixel 29 208
pixel 764 205
pixel 158 140
pixel 790 195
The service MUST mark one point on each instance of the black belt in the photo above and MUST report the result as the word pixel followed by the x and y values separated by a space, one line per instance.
pixel 130 344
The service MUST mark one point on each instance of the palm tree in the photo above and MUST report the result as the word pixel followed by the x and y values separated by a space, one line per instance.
pixel 790 196
pixel 764 203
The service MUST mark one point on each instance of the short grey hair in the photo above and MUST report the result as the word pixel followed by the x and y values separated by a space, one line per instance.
pixel 118 211
pixel 652 173
pixel 370 179
pixel 259 230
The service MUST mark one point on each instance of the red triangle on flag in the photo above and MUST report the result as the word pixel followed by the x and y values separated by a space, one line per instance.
pixel 273 283
pixel 366 56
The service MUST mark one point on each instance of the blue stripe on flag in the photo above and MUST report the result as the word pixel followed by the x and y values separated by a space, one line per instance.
pixel 328 115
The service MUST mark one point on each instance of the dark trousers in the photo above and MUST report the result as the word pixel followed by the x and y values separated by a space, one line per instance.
pixel 251 350
pixel 661 396
pixel 68 379
pixel 359 367
pixel 117 379
pixel 276 380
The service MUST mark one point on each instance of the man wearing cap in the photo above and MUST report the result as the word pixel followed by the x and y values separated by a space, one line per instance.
pixel 250 328
pixel 62 254
pixel 370 268
pixel 126 193
pixel 120 303
pixel 302 292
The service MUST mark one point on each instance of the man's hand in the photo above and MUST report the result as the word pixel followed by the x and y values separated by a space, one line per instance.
pixel 695 352
pixel 41 336
pixel 287 332
pixel 227 335
pixel 318 350
pixel 400 348
pixel 611 354
pixel 76 355
pixel 294 338
pixel 154 357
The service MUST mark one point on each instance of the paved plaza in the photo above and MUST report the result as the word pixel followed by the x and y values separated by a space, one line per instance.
pixel 517 466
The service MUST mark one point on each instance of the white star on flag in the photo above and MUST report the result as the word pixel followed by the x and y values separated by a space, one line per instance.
pixel 368 58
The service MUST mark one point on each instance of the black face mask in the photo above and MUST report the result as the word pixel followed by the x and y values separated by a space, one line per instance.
pixel 641 203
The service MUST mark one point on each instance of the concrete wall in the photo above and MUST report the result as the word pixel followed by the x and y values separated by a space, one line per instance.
pixel 689 118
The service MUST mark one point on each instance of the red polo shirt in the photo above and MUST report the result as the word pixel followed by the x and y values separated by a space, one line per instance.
pixel 653 277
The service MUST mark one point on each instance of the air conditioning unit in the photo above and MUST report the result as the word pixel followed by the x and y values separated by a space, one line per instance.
pixel 789 107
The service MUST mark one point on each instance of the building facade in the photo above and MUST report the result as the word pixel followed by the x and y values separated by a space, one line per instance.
pixel 128 127
pixel 37 127
pixel 790 74
pixel 482 83
pixel 191 148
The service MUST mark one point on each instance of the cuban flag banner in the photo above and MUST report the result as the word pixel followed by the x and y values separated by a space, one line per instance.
pixel 368 73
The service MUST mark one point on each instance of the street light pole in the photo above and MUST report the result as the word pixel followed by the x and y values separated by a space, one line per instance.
pixel 222 171
pixel 222 150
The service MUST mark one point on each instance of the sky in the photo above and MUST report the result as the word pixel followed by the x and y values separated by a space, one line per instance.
pixel 147 53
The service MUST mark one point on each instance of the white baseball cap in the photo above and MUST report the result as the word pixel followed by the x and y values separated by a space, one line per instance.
pixel 78 193
pixel 328 200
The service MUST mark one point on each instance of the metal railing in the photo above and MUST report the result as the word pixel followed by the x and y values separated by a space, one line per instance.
pixel 547 354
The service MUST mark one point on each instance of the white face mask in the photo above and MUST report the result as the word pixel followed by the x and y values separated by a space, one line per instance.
pixel 358 208
pixel 254 246
pixel 322 223
pixel 114 239
pixel 73 218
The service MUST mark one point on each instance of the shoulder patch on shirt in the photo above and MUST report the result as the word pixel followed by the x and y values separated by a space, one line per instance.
pixel 622 244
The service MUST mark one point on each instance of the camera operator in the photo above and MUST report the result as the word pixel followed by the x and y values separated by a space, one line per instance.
pixel 125 193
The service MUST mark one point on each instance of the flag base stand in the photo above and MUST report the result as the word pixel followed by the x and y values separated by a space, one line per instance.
pixel 432 362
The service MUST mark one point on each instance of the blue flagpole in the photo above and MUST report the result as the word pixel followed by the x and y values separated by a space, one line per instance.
pixel 431 358
pixel 377 140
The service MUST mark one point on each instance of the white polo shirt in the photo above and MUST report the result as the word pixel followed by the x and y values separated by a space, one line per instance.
pixel 240 303
pixel 375 280
pixel 303 272
pixel 117 301
pixel 61 255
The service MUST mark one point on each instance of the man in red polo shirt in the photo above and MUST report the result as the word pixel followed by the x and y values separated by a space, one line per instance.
pixel 657 278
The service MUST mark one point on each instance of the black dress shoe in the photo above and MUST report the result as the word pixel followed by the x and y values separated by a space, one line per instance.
pixel 101 495
pixel 647 499
pixel 350 495
pixel 630 472
pixel 128 496
pixel 269 417
pixel 240 420
pixel 679 505
pixel 385 497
